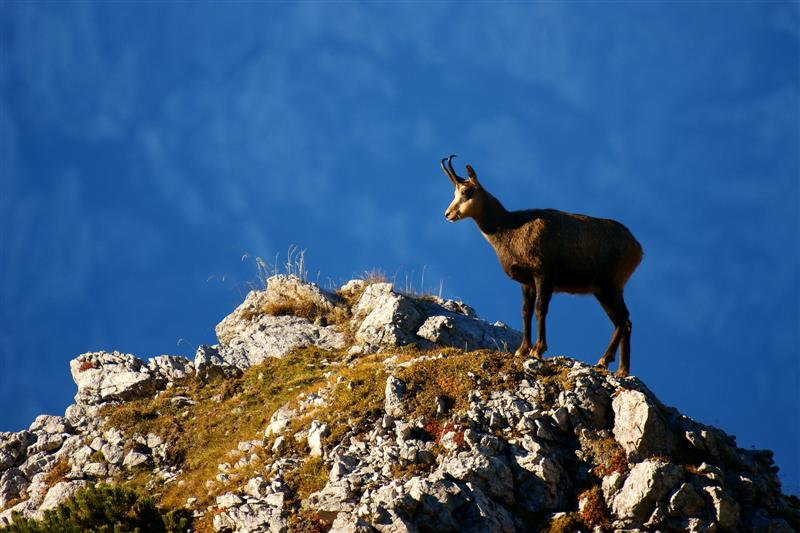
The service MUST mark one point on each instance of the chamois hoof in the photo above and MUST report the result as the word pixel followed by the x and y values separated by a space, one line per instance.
pixel 605 360
pixel 522 351
pixel 621 373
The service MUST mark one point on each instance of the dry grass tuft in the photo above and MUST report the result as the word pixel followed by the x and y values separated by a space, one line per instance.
pixel 308 477
pixel 57 473
pixel 300 307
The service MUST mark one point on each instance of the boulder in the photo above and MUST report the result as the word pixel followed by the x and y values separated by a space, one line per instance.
pixel 491 474
pixel 279 420
pixel 12 483
pixel 686 502
pixel 171 368
pixel 539 479
pixel 110 376
pixel 385 318
pixel 14 447
pixel 639 427
pixel 59 493
pixel 647 483
pixel 213 362
pixel 316 433
pixel 52 425
pixel 334 498
pixel 451 329
pixel 393 396
pixel 248 335
pixel 444 505
pixel 726 510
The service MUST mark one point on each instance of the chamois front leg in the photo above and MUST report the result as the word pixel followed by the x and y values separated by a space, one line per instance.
pixel 528 299
pixel 543 293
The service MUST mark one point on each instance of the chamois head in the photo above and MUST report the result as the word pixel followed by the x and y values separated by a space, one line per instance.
pixel 469 199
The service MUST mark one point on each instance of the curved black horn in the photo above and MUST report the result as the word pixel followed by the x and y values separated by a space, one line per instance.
pixel 455 178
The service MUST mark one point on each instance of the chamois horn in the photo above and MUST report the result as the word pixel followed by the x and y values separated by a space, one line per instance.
pixel 455 178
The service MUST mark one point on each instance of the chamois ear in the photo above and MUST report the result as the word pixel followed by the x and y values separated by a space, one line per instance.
pixel 472 176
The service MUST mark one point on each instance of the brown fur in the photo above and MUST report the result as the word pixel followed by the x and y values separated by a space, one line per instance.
pixel 548 251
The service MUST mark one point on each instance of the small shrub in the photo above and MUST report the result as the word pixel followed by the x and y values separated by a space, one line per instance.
pixel 605 453
pixel 617 461
pixel 101 509
pixel 594 511
pixel 564 523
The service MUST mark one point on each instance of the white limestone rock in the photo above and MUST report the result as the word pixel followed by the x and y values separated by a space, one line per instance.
pixel 490 473
pixel 279 420
pixel 646 484
pixel 639 427
pixel 134 459
pixel 686 502
pixel 12 483
pixel 393 396
pixel 171 368
pixel 726 510
pixel 451 329
pixel 14 447
pixel 246 342
pixel 247 336
pixel 385 318
pixel 110 376
pixel 316 433
pixel 52 425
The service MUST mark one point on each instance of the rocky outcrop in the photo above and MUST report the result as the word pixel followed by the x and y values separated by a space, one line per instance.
pixel 76 442
pixel 524 442
pixel 251 333
pixel 379 317
pixel 383 317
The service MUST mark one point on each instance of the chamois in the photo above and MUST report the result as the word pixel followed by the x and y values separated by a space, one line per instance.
pixel 548 251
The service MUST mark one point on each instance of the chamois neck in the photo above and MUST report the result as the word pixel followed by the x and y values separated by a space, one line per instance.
pixel 493 217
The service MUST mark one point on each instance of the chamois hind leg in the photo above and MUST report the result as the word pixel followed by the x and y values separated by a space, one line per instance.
pixel 615 308
pixel 528 299
pixel 625 343
pixel 543 293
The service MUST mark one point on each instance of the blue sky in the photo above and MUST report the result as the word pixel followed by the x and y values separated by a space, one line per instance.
pixel 147 148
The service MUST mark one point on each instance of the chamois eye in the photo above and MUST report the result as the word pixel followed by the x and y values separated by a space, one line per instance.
pixel 468 193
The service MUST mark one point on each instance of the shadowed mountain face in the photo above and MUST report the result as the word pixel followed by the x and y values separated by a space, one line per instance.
pixel 145 149
pixel 359 410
